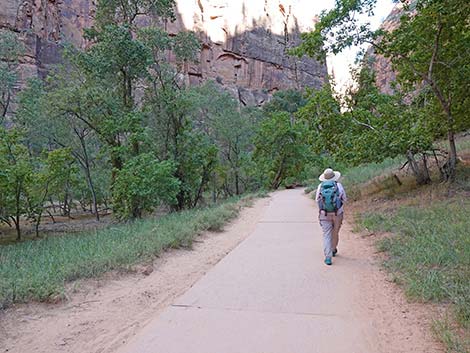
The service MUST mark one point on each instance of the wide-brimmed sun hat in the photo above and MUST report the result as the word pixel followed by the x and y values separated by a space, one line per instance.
pixel 329 175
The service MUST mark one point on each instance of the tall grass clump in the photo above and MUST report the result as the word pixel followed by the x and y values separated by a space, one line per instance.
pixel 39 270
pixel 430 252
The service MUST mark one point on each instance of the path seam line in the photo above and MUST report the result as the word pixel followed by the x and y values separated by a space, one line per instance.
pixel 188 306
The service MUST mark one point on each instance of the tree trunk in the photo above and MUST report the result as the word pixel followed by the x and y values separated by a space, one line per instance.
pixel 66 208
pixel 452 159
pixel 94 208
pixel 421 173
pixel 425 170
pixel 52 204
pixel 116 163
pixel 36 225
pixel 237 183
pixel 16 220
pixel 204 180
pixel 86 167
pixel 279 175
pixel 136 211
pixel 446 106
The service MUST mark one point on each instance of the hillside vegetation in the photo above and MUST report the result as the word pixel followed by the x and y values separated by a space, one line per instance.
pixel 423 232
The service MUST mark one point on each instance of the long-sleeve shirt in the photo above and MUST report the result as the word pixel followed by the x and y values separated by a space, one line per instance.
pixel 342 196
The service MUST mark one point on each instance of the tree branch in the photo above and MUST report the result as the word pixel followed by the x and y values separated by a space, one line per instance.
pixel 435 49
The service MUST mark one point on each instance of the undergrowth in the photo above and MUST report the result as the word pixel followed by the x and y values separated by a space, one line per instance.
pixel 429 252
pixel 39 270
pixel 428 244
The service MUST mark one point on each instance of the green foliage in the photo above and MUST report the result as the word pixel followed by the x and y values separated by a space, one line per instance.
pixel 16 170
pixel 373 127
pixel 287 101
pixel 143 184
pixel 324 122
pixel 338 29
pixel 92 106
pixel 116 54
pixel 39 270
pixel 282 154
pixel 231 130
pixel 382 125
pixel 280 148
pixel 432 38
pixel 196 162
pixel 426 51
pixel 186 47
pixel 52 177
pixel 126 12
pixel 134 133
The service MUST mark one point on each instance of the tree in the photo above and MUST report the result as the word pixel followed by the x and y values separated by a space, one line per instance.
pixel 431 48
pixel 280 148
pixel 383 125
pixel 54 116
pixel 127 11
pixel 428 49
pixel 326 126
pixel 286 101
pixel 16 170
pixel 218 115
pixel 51 178
pixel 143 184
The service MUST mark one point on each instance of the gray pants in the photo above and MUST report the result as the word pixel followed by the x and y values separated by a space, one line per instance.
pixel 330 224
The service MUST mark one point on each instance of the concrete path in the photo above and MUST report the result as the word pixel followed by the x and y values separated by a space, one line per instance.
pixel 272 294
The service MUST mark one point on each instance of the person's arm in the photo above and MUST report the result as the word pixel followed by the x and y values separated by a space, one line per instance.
pixel 342 193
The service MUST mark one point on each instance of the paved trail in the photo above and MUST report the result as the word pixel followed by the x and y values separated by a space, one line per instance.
pixel 273 294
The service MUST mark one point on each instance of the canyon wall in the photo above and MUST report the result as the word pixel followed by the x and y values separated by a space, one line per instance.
pixel 244 42
pixel 384 74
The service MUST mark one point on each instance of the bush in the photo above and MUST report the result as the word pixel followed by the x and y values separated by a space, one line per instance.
pixel 143 184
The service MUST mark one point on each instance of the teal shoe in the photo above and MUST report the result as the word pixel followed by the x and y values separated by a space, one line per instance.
pixel 335 251
pixel 328 261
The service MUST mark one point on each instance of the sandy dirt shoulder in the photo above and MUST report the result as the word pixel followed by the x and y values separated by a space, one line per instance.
pixel 101 315
pixel 401 326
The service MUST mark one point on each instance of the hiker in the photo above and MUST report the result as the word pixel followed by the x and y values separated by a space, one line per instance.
pixel 330 198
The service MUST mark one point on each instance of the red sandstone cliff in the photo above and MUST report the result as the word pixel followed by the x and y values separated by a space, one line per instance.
pixel 243 43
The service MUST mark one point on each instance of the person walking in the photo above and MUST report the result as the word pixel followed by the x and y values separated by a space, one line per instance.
pixel 330 198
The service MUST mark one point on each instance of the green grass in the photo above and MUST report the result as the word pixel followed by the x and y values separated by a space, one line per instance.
pixel 446 333
pixel 39 270
pixel 363 173
pixel 463 144
pixel 428 247
pixel 462 181
pixel 429 252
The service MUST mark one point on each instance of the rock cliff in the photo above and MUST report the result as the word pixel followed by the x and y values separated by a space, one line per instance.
pixel 244 42
pixel 384 74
